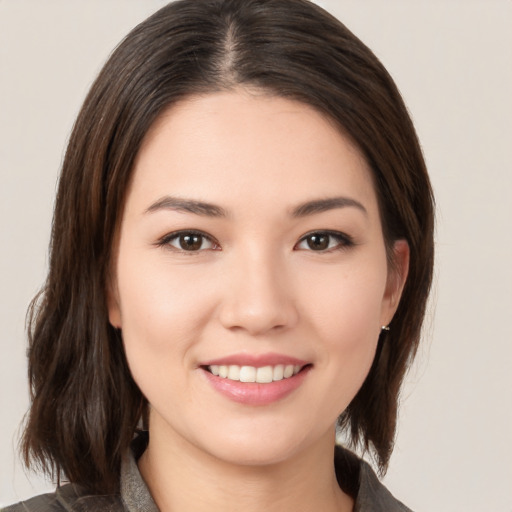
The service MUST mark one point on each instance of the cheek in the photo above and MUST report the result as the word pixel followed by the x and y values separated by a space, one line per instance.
pixel 159 299
pixel 162 312
pixel 346 304
pixel 349 351
pixel 344 313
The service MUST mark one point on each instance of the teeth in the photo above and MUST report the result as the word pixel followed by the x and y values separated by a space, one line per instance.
pixel 234 372
pixel 278 372
pixel 247 374
pixel 261 375
pixel 288 371
pixel 264 374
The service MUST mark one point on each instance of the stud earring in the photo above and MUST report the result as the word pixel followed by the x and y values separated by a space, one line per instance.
pixel 385 328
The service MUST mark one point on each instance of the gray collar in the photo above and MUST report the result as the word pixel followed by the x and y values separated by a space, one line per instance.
pixel 134 491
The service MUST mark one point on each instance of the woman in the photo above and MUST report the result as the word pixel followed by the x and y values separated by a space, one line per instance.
pixel 241 256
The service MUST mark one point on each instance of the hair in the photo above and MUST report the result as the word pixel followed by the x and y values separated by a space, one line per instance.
pixel 85 405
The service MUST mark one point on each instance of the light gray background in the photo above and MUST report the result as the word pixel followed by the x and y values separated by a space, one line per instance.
pixel 452 60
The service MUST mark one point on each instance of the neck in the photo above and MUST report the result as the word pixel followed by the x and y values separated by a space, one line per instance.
pixel 183 477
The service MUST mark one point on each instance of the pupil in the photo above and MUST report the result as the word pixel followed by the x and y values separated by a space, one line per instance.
pixel 190 242
pixel 318 242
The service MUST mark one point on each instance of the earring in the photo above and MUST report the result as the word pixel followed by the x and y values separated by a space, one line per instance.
pixel 385 328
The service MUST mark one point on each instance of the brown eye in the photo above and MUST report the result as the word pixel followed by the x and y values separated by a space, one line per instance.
pixel 324 241
pixel 318 242
pixel 188 241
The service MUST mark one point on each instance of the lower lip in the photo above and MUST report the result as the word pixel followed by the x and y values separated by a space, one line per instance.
pixel 253 393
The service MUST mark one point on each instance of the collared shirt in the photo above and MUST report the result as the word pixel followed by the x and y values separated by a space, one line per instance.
pixel 354 475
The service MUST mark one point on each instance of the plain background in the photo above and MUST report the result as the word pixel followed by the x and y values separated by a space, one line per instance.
pixel 452 60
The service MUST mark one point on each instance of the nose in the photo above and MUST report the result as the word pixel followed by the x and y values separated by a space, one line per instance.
pixel 258 297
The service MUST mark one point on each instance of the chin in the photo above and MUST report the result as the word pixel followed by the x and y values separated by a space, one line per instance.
pixel 254 454
pixel 259 447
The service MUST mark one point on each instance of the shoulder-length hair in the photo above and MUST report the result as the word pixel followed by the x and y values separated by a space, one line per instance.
pixel 85 404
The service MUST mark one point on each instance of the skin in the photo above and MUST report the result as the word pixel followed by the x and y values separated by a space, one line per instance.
pixel 253 286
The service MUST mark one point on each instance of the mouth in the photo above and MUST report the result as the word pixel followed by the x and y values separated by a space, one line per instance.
pixel 256 379
pixel 259 375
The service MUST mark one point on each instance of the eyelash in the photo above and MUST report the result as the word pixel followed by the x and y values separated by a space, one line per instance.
pixel 343 241
pixel 167 239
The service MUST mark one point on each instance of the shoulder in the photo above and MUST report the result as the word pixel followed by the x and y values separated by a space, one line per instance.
pixel 357 478
pixel 68 498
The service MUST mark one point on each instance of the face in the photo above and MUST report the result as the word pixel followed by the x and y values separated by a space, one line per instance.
pixel 251 278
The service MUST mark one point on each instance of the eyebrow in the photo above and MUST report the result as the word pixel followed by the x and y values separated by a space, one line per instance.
pixel 211 210
pixel 322 205
pixel 187 205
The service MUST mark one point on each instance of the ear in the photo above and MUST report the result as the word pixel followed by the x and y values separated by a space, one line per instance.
pixel 398 270
pixel 114 311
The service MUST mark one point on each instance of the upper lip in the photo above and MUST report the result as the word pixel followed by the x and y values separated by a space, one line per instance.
pixel 256 360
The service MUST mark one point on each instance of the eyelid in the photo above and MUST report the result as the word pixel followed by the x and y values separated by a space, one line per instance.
pixel 344 240
pixel 165 241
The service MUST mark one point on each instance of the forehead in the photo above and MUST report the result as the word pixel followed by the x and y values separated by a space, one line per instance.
pixel 249 145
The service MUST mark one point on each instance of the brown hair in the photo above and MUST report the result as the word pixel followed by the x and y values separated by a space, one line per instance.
pixel 85 404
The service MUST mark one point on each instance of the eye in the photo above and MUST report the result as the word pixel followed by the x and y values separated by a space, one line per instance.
pixel 188 241
pixel 324 241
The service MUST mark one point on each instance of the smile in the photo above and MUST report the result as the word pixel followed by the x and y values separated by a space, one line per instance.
pixel 261 375
pixel 256 379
